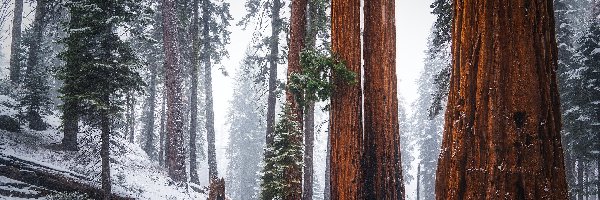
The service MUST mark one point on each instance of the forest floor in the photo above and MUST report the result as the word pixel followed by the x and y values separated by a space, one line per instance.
pixel 133 174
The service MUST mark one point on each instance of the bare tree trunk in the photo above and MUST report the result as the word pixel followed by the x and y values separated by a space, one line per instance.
pixel 210 115
pixel 15 47
pixel 346 134
pixel 382 164
pixel 131 117
pixel 580 179
pixel 194 96
pixel 309 138
pixel 273 59
pixel 418 181
pixel 70 124
pixel 149 129
pixel 502 129
pixel 327 190
pixel 105 150
pixel 175 153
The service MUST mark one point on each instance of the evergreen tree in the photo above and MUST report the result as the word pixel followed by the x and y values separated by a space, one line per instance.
pixel 247 128
pixel 100 66
pixel 15 45
pixel 283 157
pixel 440 49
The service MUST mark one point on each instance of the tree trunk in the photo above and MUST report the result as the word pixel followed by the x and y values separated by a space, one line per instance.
pixel 194 95
pixel 418 181
pixel 33 72
pixel 210 115
pixel 580 179
pixel 105 151
pixel 149 130
pixel 175 153
pixel 296 44
pixel 131 117
pixel 15 47
pixel 70 124
pixel 501 135
pixel 161 135
pixel 327 190
pixel 273 59
pixel 382 166
pixel 309 138
pixel 346 103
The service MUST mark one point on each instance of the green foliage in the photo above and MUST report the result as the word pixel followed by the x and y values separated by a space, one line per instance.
pixel 281 157
pixel 315 83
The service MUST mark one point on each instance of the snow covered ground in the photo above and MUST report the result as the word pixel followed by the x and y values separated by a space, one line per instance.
pixel 133 173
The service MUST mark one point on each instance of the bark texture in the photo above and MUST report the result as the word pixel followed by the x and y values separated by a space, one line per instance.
pixel 501 136
pixel 70 124
pixel 210 115
pixel 297 34
pixel 194 95
pixel 175 157
pixel 346 102
pixel 105 151
pixel 15 47
pixel 381 157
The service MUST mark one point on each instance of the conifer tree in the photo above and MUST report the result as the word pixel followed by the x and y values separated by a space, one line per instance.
pixel 15 47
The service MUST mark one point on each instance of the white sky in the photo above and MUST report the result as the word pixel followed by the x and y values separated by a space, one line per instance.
pixel 413 23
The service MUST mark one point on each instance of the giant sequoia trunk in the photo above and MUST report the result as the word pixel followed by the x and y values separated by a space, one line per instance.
pixel 501 135
pixel 382 164
pixel 346 102
pixel 293 178
pixel 210 115
pixel 175 157
pixel 15 46
pixel 194 96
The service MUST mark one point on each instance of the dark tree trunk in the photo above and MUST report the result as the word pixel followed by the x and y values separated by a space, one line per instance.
pixel 33 73
pixel 580 179
pixel 105 151
pixel 15 47
pixel 346 103
pixel 175 153
pixel 382 167
pixel 327 190
pixel 210 115
pixel 70 124
pixel 131 117
pixel 149 130
pixel 194 96
pixel 418 181
pixel 502 129
pixel 161 135
pixel 309 138
pixel 273 59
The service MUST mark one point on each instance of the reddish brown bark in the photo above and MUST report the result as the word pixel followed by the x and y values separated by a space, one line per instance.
pixel 297 31
pixel 501 136
pixel 175 157
pixel 345 114
pixel 382 165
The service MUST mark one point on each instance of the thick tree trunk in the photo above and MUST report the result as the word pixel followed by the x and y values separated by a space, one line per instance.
pixel 70 124
pixel 175 153
pixel 346 102
pixel 273 59
pixel 309 138
pixel 15 67
pixel 194 95
pixel 33 73
pixel 210 115
pixel 297 34
pixel 501 135
pixel 382 164
pixel 105 151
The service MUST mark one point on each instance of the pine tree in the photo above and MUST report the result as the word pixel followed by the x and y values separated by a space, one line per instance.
pixel 100 67
pixel 247 119
pixel 285 158
pixel 440 49
pixel 502 127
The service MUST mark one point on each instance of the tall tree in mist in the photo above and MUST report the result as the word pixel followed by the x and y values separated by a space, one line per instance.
pixel 15 45
pixel 175 153
pixel 194 95
pixel 502 129
pixel 346 103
